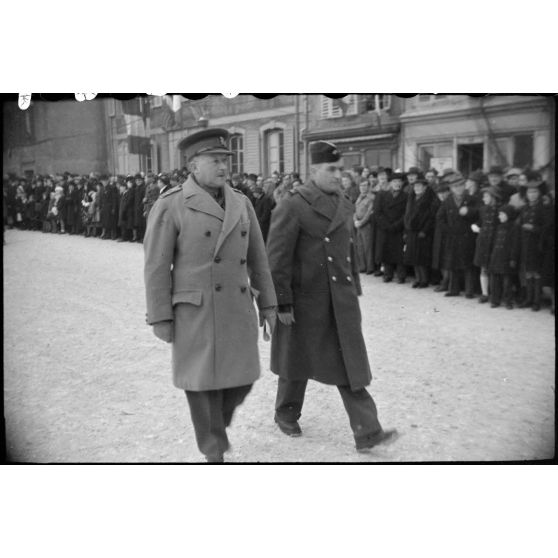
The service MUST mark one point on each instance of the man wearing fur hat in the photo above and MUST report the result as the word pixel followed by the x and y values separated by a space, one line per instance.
pixel 205 266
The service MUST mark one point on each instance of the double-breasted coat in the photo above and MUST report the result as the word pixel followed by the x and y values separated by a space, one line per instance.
pixel 204 266
pixel 311 255
pixel 419 221
pixel 389 213
pixel 459 245
pixel 505 249
pixel 488 222
pixel 126 209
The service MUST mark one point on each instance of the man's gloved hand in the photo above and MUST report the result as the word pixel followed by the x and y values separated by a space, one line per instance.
pixel 269 316
pixel 164 331
pixel 286 315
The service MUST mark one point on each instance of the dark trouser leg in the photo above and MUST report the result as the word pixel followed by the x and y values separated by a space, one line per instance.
pixel 453 282
pixel 388 271
pixel 290 398
pixel 496 292
pixel 529 287
pixel 232 398
pixel 211 413
pixel 508 290
pixel 363 415
pixel 400 271
pixel 469 282
pixel 537 291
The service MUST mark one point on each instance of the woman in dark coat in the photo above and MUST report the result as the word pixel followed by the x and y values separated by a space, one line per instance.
pixel 503 258
pixel 485 227
pixel 109 208
pixel 533 220
pixel 419 221
pixel 455 216
pixel 126 211
pixel 389 213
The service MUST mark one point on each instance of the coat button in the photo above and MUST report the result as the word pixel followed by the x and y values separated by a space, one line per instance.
pixel 218 287
pixel 217 259
pixel 348 259
pixel 242 261
pixel 243 233
pixel 326 238
pixel 333 278
pixel 207 233
pixel 242 289
pixel 349 278
pixel 329 259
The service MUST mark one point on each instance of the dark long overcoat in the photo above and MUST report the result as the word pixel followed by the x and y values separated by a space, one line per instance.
pixel 139 194
pixel 126 210
pixel 488 222
pixel 109 206
pixel 420 217
pixel 311 256
pixel 548 242
pixel 204 267
pixel 389 214
pixel 537 215
pixel 459 245
pixel 505 249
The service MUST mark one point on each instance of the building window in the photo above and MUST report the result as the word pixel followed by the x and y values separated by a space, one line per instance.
pixel 236 145
pixel 336 108
pixel 437 155
pixel 375 103
pixel 156 101
pixel 523 151
pixel 275 151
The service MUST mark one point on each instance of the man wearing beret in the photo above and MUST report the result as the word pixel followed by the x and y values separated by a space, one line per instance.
pixel 319 336
pixel 205 265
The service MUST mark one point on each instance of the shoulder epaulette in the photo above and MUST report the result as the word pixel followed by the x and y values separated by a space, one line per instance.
pixel 171 191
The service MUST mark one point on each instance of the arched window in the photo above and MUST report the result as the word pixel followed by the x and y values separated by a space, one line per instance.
pixel 236 145
pixel 275 151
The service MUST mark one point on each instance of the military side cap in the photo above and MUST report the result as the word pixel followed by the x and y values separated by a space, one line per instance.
pixel 324 152
pixel 212 141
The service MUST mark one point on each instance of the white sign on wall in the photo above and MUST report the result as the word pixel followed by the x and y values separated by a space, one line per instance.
pixel 441 163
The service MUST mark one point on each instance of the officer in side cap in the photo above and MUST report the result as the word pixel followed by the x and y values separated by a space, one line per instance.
pixel 318 334
pixel 205 265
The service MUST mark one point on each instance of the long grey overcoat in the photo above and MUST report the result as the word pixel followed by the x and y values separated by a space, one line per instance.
pixel 204 266
pixel 311 256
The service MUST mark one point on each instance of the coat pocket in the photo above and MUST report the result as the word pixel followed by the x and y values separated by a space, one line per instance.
pixel 187 297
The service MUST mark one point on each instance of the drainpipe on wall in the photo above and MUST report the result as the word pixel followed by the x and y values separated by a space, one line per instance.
pixel 306 125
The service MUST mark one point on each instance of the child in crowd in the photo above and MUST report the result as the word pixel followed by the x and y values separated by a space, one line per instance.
pixel 364 208
pixel 485 227
pixel 503 258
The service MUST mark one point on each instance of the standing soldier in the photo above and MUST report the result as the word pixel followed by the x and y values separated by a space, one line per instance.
pixel 205 264
pixel 319 336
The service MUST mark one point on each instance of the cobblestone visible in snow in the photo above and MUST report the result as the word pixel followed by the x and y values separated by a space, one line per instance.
pixel 86 381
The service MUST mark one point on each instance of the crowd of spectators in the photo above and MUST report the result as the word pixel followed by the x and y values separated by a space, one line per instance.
pixel 491 235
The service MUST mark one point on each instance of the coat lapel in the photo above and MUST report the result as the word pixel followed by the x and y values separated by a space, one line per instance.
pixel 344 208
pixel 312 194
pixel 232 213
pixel 198 199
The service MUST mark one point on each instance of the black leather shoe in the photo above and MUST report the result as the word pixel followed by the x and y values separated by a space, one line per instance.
pixel 378 274
pixel 289 428
pixel 440 289
pixel 451 294
pixel 415 285
pixel 214 459
pixel 483 299
pixel 384 437
pixel 401 281
pixel 387 279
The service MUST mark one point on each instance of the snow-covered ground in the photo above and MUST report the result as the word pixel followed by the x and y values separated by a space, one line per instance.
pixel 86 381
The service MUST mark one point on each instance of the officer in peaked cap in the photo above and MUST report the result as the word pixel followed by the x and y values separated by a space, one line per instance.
pixel 205 266
pixel 318 334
